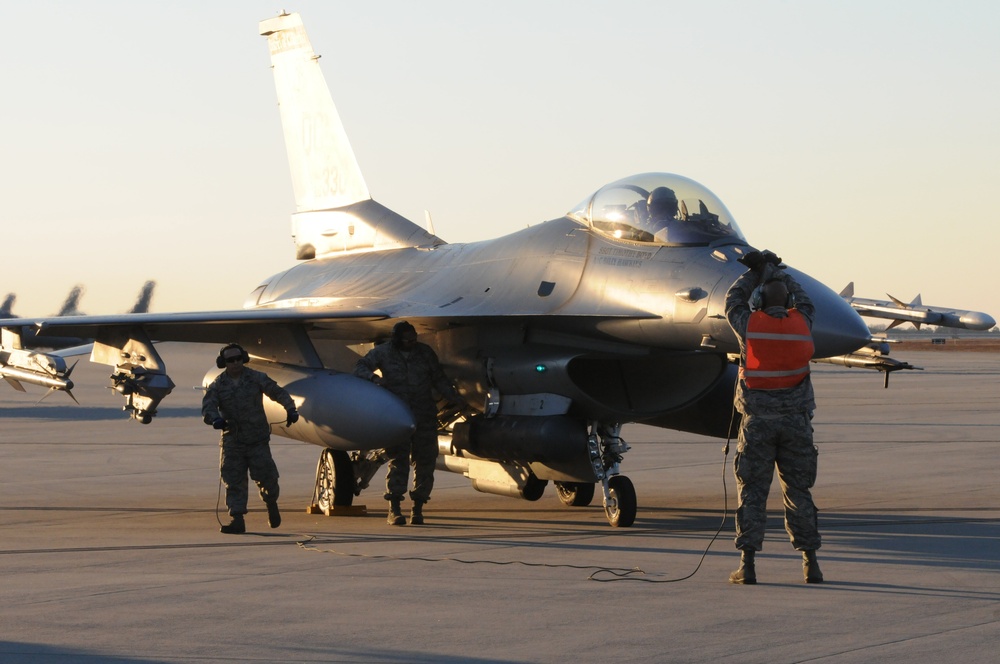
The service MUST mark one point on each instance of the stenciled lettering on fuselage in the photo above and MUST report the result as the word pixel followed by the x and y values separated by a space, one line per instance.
pixel 622 257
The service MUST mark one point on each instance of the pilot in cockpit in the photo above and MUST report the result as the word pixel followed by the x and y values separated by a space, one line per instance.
pixel 661 205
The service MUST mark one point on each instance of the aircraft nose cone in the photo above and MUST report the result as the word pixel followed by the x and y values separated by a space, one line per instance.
pixel 837 329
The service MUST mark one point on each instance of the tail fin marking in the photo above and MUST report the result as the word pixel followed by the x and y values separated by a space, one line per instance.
pixel 335 212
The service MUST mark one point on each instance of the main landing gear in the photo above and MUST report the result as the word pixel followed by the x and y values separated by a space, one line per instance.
pixel 575 494
pixel 339 477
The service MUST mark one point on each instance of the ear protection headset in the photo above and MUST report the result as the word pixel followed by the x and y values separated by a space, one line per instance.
pixel 757 297
pixel 220 361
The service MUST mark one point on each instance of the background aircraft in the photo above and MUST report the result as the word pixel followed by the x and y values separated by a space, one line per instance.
pixel 30 338
pixel 557 334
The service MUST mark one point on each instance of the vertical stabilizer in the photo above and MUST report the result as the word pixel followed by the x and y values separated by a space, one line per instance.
pixel 335 212
pixel 325 173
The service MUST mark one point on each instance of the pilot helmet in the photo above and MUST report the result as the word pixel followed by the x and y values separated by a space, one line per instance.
pixel 662 203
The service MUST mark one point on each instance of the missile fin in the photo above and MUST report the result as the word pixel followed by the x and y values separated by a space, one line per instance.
pixel 16 384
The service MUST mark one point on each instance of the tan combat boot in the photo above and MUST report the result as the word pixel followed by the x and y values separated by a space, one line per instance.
pixel 810 568
pixel 395 517
pixel 746 575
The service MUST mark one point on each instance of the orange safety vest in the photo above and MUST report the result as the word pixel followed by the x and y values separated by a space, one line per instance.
pixel 778 351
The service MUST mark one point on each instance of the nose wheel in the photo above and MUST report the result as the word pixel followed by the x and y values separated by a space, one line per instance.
pixel 620 504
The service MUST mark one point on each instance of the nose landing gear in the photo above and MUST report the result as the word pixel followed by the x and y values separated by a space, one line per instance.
pixel 606 450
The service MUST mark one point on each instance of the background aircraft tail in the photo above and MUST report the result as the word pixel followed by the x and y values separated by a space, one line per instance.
pixel 144 299
pixel 71 307
pixel 6 309
pixel 334 211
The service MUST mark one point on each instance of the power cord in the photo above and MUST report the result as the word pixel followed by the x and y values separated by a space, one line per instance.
pixel 628 576
pixel 617 573
pixel 725 515
pixel 306 546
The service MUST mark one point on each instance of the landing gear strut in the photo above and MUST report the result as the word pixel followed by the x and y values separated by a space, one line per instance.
pixel 606 450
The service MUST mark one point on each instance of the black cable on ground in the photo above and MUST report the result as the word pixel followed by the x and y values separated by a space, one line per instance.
pixel 725 515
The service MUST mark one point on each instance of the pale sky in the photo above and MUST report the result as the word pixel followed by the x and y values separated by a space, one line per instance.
pixel 141 140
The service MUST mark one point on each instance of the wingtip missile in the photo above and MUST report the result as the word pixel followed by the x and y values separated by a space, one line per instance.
pixel 917 312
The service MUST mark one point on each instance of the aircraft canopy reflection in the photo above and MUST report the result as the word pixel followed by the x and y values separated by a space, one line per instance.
pixel 659 208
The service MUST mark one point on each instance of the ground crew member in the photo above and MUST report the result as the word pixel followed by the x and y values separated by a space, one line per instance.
pixel 234 404
pixel 410 370
pixel 775 397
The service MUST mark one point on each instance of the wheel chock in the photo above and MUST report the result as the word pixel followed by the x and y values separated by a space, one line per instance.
pixel 338 510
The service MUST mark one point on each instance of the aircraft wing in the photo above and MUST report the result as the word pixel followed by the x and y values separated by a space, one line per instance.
pixel 197 326
pixel 286 329
pixel 126 342
pixel 347 323
pixel 277 334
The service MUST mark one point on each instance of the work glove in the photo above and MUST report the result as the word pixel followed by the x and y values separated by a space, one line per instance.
pixel 753 260
pixel 218 423
pixel 293 417
pixel 208 419
pixel 771 257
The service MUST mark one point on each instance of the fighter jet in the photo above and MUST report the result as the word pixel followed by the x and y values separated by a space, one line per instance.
pixel 557 335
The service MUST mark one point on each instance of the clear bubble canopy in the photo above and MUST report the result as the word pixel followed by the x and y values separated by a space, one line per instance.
pixel 658 208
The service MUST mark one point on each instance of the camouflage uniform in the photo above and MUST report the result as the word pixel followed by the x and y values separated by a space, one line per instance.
pixel 410 376
pixel 245 439
pixel 776 429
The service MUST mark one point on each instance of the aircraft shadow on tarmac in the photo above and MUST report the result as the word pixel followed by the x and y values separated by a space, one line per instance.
pixel 935 540
pixel 863 542
pixel 13 651
pixel 87 413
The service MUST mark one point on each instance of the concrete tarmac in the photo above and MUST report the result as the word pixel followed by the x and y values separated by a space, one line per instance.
pixel 110 548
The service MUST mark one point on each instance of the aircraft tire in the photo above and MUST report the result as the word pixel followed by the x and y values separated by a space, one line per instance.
pixel 343 485
pixel 533 488
pixel 622 507
pixel 575 494
pixel 335 480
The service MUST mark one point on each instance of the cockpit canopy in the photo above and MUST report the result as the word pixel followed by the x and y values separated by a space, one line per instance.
pixel 658 208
